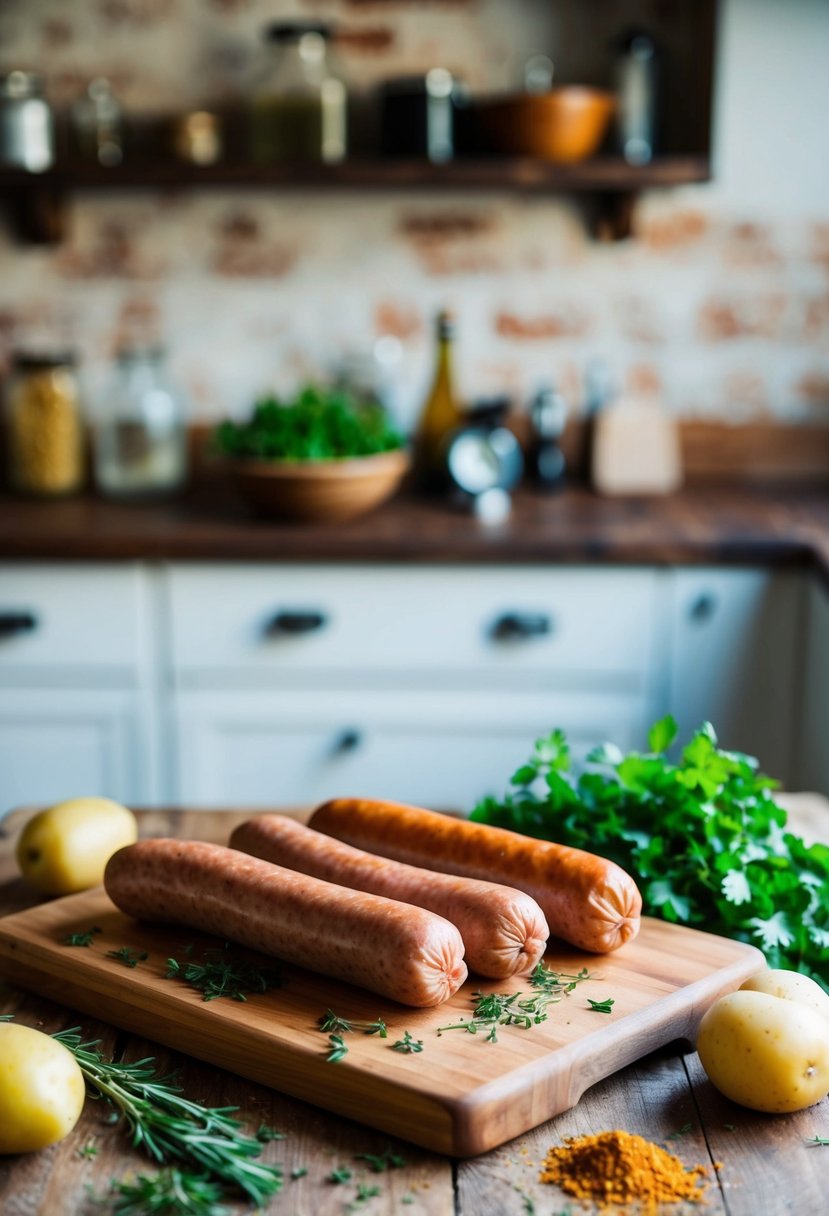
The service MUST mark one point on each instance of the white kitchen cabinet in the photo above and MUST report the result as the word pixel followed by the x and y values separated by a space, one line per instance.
pixel 78 670
pixel 734 659
pixel 813 754
pixel 270 748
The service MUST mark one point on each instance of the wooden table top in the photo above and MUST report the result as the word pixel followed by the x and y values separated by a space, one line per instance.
pixel 766 1165
pixel 713 524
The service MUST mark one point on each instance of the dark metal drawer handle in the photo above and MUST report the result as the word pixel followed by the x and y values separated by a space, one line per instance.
pixel 13 623
pixel 295 622
pixel 518 626
pixel 348 741
pixel 703 608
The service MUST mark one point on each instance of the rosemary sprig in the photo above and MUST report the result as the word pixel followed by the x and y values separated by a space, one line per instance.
pixel 409 1045
pixel 128 956
pixel 170 1191
pixel 605 1006
pixel 84 938
pixel 170 1128
pixel 222 974
pixel 330 1021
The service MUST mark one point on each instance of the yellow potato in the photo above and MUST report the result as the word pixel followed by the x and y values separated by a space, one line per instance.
pixel 41 1089
pixel 764 1052
pixel 66 847
pixel 789 986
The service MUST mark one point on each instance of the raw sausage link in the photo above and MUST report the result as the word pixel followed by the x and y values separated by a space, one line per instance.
pixel 588 901
pixel 504 931
pixel 405 953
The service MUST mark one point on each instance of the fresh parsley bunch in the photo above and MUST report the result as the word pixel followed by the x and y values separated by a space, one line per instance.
pixel 317 425
pixel 703 837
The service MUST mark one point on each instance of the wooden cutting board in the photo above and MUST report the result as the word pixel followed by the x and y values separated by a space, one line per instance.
pixel 460 1095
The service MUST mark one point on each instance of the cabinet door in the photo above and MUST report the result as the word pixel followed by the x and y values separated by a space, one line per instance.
pixel 59 744
pixel 268 749
pixel 813 753
pixel 734 660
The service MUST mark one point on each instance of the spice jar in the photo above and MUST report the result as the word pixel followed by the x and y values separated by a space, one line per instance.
pixel 139 440
pixel 27 135
pixel 44 429
pixel 298 105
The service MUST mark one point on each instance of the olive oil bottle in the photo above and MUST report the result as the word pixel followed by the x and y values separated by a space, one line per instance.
pixel 441 413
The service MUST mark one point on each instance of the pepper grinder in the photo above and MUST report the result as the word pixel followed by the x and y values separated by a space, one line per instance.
pixel 548 415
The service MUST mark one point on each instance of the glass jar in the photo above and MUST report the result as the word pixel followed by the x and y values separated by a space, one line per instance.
pixel 27 130
pixel 139 438
pixel 44 428
pixel 97 124
pixel 298 108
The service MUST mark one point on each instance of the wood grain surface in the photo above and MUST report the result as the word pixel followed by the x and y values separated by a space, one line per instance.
pixel 767 1165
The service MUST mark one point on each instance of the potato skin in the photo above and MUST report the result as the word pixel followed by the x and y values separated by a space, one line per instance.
pixel 65 848
pixel 789 986
pixel 42 1089
pixel 764 1052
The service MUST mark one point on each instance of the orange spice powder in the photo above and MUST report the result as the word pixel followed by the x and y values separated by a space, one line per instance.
pixel 618 1168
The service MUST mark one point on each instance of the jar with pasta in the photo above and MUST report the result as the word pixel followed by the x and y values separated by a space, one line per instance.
pixel 44 428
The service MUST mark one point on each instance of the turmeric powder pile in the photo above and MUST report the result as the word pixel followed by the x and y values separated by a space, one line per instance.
pixel 618 1168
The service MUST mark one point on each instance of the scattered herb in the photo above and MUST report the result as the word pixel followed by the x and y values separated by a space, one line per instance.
pixel 330 1021
pixel 320 424
pixel 341 1174
pixel 81 939
pixel 299 1172
pixel 364 1193
pixel 127 956
pixel 379 1163
pixel 682 1131
pixel 407 1199
pixel 336 1049
pixel 409 1045
pixel 605 1006
pixel 221 973
pixel 493 1009
pixel 818 1140
pixel 730 1127
pixel 88 1150
pixel 170 1128
pixel 703 836
pixel 6 1017
pixel 266 1134
pixel 171 1191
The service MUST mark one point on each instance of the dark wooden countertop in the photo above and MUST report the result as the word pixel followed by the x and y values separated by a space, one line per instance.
pixel 766 1165
pixel 700 524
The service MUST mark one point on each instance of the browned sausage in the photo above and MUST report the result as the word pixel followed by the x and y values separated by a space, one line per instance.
pixel 503 930
pixel 588 901
pixel 405 953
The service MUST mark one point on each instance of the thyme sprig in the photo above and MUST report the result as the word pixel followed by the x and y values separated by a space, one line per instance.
pixel 331 1022
pixel 605 1006
pixel 408 1045
pixel 494 1009
pixel 128 956
pixel 378 1163
pixel 172 1129
pixel 222 973
pixel 84 938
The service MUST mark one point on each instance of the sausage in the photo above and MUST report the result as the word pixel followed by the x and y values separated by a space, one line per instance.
pixel 504 931
pixel 401 952
pixel 588 901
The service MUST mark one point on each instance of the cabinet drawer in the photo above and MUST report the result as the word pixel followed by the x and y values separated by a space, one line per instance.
pixel 426 619
pixel 59 619
pixel 270 749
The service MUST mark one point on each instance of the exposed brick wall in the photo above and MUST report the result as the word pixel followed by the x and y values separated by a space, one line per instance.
pixel 724 309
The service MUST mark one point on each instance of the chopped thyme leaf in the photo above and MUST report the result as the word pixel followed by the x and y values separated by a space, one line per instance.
pixel 81 939
pixel 605 1006
pixel 128 956
pixel 223 974
pixel 336 1049
pixel 265 1134
pixel 409 1045
pixel 299 1172
pixel 340 1175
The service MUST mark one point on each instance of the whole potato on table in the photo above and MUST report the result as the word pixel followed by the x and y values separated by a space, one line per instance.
pixel 42 1089
pixel 66 847
pixel 767 1045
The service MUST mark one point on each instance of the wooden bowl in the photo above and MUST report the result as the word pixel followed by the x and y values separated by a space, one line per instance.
pixel 325 490
pixel 565 125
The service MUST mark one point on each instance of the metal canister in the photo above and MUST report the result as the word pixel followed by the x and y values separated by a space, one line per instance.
pixel 44 428
pixel 27 129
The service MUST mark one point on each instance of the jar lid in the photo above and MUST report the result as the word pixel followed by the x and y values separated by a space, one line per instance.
pixel 292 31
pixel 18 84
pixel 39 361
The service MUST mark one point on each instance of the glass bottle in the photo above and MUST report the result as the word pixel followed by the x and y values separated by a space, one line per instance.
pixel 139 440
pixel 44 428
pixel 441 414
pixel 27 129
pixel 298 105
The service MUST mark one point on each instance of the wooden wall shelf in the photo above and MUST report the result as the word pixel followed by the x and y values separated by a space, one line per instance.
pixel 609 185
